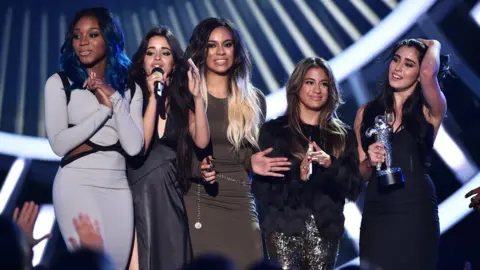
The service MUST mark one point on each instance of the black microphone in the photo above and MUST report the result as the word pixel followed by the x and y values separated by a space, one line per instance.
pixel 158 89
pixel 158 86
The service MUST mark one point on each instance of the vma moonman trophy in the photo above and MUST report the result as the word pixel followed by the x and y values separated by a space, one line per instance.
pixel 383 132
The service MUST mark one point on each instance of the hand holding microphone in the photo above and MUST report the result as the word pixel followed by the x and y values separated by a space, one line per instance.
pixel 159 84
pixel 156 83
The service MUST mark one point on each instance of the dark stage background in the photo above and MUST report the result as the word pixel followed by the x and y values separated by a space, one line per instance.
pixel 353 35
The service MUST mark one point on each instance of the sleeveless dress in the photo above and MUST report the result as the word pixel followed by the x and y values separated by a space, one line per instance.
pixel 160 218
pixel 225 209
pixel 400 229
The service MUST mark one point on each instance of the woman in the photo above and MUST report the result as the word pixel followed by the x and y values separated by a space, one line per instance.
pixel 402 220
pixel 93 121
pixel 303 212
pixel 160 176
pixel 220 208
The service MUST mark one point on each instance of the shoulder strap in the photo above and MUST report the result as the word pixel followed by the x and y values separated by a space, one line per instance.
pixel 65 83
pixel 132 86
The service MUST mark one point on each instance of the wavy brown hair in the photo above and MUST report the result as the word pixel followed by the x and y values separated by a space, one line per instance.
pixel 334 128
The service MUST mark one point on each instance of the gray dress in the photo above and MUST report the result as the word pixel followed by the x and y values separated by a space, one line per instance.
pixel 94 184
pixel 225 210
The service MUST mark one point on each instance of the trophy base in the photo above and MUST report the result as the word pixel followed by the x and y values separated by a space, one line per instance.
pixel 390 178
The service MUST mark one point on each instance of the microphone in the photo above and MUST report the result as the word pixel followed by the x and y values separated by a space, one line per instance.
pixel 158 89
pixel 158 86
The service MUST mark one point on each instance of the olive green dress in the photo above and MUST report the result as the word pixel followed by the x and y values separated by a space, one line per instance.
pixel 222 216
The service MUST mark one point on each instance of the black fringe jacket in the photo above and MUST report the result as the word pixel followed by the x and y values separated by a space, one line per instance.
pixel 284 204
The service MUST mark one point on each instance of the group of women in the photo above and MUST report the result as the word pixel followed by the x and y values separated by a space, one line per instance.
pixel 195 170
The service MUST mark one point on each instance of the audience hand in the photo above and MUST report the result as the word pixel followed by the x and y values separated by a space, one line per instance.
pixel 25 219
pixel 89 234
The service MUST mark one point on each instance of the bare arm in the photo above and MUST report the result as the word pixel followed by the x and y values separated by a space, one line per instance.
pixel 430 86
pixel 149 121
pixel 365 168
pixel 151 115
pixel 198 124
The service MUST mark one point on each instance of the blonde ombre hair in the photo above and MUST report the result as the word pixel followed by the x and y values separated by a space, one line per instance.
pixel 244 101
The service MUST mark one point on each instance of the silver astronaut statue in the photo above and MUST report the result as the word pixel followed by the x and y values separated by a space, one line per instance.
pixel 383 132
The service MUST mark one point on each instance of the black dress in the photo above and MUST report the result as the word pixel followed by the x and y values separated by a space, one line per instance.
pixel 303 220
pixel 160 217
pixel 400 228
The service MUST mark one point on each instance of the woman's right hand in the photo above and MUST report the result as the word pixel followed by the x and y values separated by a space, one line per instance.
pixel 155 77
pixel 305 168
pixel 206 168
pixel 103 98
pixel 92 84
pixel 376 153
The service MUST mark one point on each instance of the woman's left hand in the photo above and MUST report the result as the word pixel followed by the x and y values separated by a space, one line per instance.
pixel 266 166
pixel 320 156
pixel 193 79
pixel 99 84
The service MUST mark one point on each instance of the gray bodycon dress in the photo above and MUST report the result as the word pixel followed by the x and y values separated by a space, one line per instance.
pixel 95 184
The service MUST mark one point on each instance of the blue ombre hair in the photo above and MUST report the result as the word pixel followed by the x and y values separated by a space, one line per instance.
pixel 118 62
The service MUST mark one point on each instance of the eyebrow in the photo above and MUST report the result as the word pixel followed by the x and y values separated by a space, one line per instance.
pixel 223 41
pixel 163 48
pixel 406 58
pixel 92 28
pixel 324 80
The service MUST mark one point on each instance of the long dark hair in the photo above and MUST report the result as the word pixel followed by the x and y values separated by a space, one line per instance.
pixel 117 61
pixel 180 99
pixel 244 104
pixel 413 118
pixel 329 122
pixel 198 46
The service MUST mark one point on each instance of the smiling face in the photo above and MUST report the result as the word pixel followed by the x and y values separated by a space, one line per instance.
pixel 313 93
pixel 404 69
pixel 88 41
pixel 220 51
pixel 158 54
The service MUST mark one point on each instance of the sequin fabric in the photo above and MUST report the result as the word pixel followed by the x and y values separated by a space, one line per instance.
pixel 307 251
